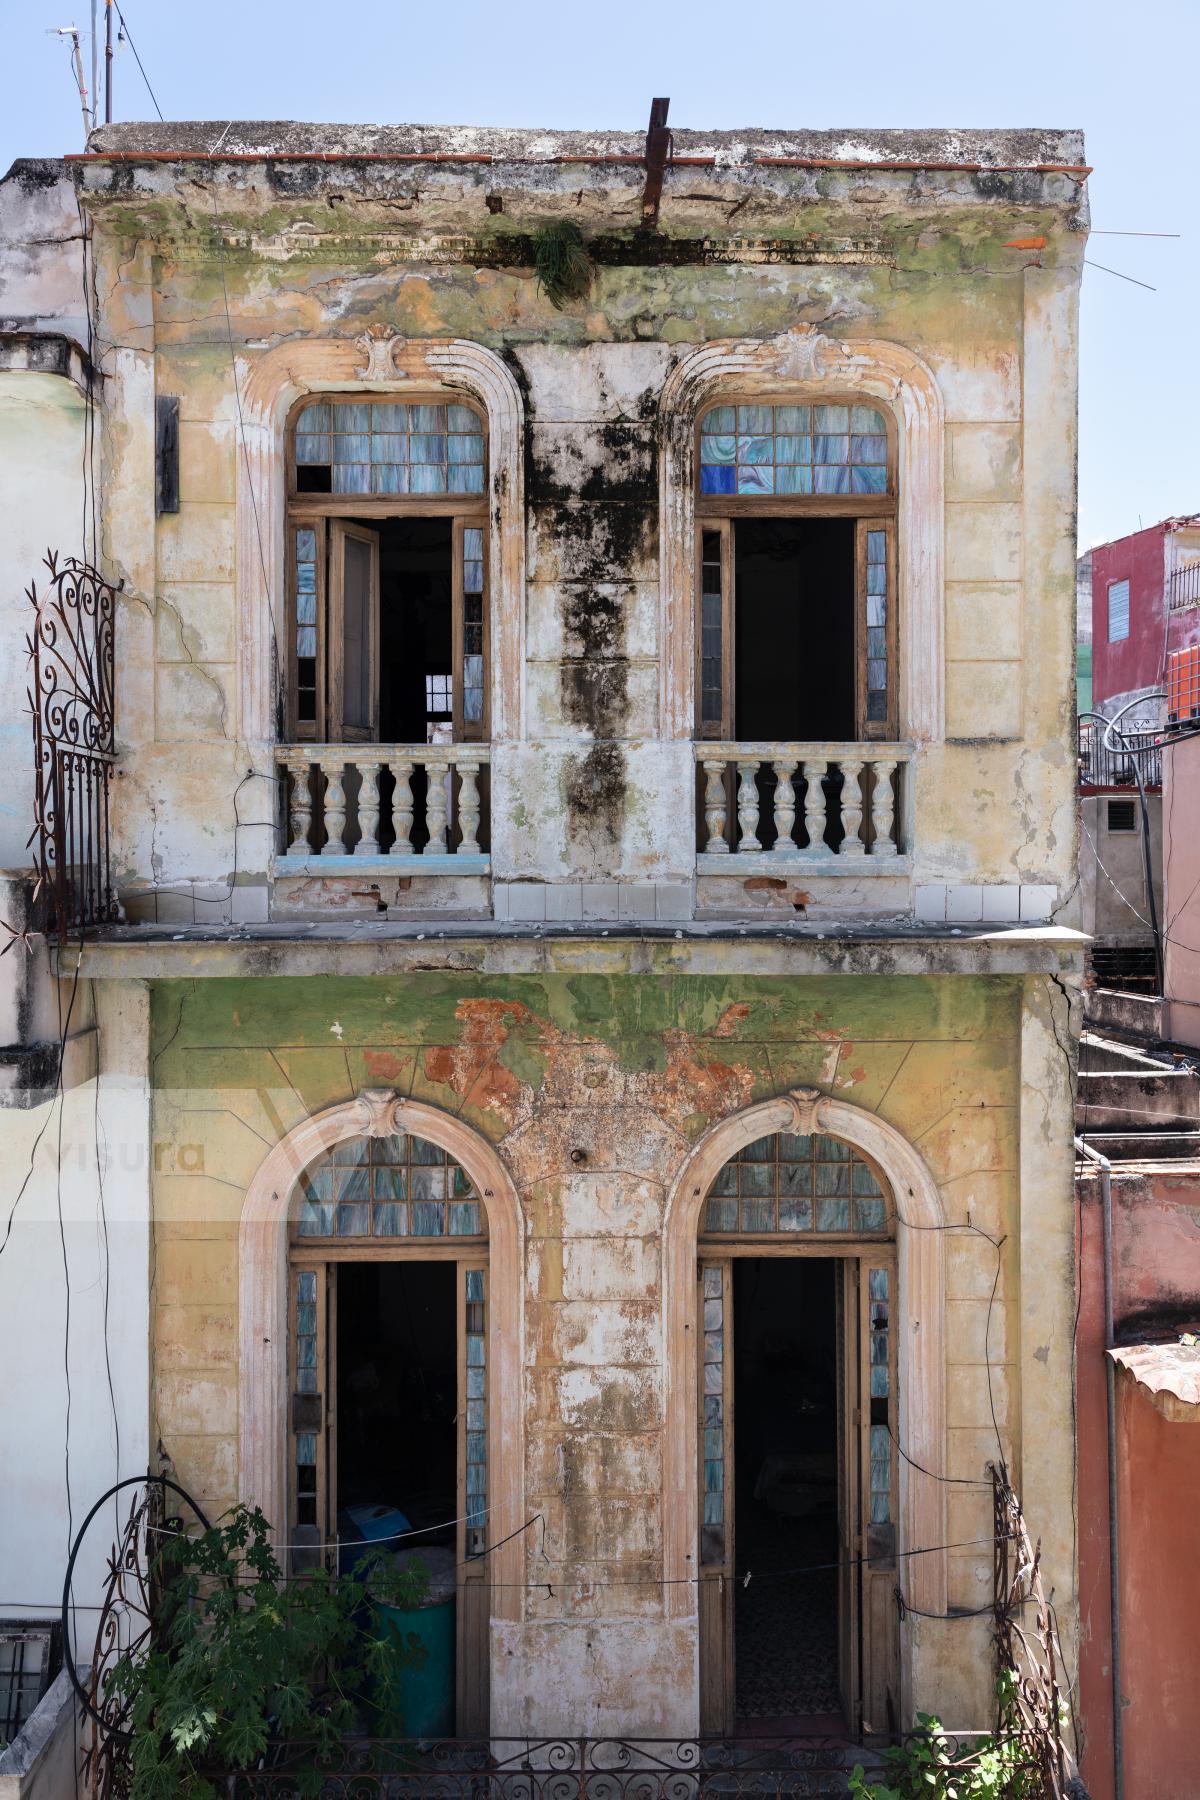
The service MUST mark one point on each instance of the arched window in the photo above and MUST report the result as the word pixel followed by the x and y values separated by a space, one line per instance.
pixel 796 636
pixel 388 1254
pixel 386 580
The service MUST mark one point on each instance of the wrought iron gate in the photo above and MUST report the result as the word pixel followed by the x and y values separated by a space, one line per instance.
pixel 71 699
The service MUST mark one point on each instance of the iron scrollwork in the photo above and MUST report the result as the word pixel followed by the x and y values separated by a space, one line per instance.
pixel 71 648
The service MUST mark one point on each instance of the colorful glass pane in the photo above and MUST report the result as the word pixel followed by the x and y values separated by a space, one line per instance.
pixel 390 448
pixel 877 620
pixel 475 1321
pixel 793 450
pixel 380 1187
pixel 768 1186
pixel 712 1433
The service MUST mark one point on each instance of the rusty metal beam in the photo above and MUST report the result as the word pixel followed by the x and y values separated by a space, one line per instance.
pixel 658 148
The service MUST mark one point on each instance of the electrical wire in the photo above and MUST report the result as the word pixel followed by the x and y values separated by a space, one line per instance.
pixel 138 60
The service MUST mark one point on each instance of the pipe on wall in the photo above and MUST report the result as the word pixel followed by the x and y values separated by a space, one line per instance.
pixel 1110 1395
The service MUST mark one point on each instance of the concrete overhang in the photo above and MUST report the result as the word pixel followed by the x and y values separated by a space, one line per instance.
pixel 366 947
pixel 313 189
pixel 47 353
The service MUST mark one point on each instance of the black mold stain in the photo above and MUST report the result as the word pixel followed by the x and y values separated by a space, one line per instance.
pixel 594 791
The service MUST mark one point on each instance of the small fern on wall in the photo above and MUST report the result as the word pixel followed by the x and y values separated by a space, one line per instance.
pixel 561 263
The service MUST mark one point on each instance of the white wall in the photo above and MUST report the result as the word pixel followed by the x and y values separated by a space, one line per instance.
pixel 54 1218
pixel 41 451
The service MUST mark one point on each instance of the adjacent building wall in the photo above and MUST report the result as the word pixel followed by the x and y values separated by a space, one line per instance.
pixel 1181 892
pixel 1156 1284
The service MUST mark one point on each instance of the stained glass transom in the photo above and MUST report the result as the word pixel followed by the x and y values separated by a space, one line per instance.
pixel 796 1184
pixel 383 447
pixel 384 1187
pixel 793 450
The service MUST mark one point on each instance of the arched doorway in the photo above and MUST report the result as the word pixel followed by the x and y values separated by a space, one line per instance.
pixel 380 1339
pixel 804 1297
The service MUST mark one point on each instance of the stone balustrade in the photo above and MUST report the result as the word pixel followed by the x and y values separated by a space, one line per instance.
pixel 808 803
pixel 409 803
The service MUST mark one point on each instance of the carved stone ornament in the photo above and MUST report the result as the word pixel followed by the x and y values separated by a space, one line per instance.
pixel 806 1110
pixel 378 1108
pixel 379 346
pixel 805 355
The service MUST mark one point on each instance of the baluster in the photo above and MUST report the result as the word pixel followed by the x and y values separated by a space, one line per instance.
pixel 814 807
pixel 299 806
pixel 368 809
pixel 747 805
pixel 716 809
pixel 852 812
pixel 468 808
pixel 335 808
pixel 435 808
pixel 402 805
pixel 785 807
pixel 883 809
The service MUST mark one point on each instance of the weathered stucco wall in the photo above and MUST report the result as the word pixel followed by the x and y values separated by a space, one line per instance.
pixel 975 273
pixel 631 1074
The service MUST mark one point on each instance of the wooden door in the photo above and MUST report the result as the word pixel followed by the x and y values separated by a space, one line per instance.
pixel 310 1342
pixel 714 1419
pixel 849 1460
pixel 353 633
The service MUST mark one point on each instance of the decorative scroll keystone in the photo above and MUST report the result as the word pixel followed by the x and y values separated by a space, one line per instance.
pixel 378 1107
pixel 379 346
pixel 804 355
pixel 806 1110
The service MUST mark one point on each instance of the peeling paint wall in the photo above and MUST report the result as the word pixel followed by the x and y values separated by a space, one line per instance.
pixel 629 1074
pixel 941 262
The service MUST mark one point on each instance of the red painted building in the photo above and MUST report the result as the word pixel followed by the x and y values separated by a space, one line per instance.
pixel 1145 603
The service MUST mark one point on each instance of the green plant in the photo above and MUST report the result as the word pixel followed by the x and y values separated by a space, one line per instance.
pixel 927 1766
pixel 241 1657
pixel 562 265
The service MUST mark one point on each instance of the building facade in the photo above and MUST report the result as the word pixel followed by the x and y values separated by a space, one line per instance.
pixel 1145 595
pixel 593 822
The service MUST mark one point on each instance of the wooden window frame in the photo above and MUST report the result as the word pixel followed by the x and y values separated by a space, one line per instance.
pixel 720 512
pixel 325 513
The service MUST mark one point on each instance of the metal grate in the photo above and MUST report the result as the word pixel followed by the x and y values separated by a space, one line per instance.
pixel 28 1661
pixel 74 745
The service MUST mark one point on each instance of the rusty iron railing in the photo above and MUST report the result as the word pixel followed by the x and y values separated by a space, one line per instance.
pixel 71 699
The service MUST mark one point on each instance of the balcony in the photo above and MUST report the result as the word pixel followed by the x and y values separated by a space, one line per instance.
pixel 403 809
pixel 834 809
pixel 1104 765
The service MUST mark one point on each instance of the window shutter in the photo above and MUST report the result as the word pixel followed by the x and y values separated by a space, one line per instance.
pixel 1118 611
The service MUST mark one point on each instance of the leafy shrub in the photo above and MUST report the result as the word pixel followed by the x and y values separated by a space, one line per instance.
pixel 241 1657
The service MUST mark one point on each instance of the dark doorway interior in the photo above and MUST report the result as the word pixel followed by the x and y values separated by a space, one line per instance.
pixel 785 1470
pixel 416 612
pixel 397 1392
pixel 794 630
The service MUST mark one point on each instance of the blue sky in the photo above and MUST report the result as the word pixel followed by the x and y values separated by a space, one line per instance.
pixel 1122 74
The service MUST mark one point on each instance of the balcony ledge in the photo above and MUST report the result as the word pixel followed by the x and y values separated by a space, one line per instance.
pixel 388 947
pixel 419 863
pixel 742 863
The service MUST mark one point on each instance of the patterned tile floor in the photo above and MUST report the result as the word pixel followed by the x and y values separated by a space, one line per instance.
pixel 785 1627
